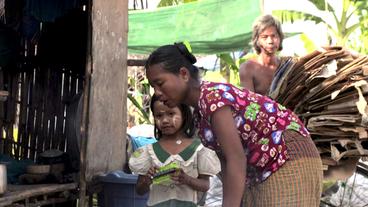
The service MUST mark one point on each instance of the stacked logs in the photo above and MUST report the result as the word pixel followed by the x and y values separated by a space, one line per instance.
pixel 328 90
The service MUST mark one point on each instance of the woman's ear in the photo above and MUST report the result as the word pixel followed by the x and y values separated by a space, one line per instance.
pixel 184 73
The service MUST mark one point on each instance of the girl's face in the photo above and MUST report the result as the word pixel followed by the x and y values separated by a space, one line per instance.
pixel 167 120
pixel 269 40
pixel 170 88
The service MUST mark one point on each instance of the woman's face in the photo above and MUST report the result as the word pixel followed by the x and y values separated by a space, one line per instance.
pixel 169 87
pixel 167 120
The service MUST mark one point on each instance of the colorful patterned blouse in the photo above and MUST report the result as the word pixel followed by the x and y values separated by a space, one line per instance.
pixel 260 122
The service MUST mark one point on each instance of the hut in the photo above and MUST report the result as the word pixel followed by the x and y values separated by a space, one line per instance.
pixel 63 84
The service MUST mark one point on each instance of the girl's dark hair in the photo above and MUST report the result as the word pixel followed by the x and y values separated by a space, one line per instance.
pixel 186 112
pixel 173 57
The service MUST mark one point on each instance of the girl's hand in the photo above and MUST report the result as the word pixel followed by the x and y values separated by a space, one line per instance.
pixel 199 184
pixel 149 175
pixel 180 177
pixel 144 181
pixel 151 172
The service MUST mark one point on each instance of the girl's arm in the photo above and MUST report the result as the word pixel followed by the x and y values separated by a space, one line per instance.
pixel 233 155
pixel 144 182
pixel 201 183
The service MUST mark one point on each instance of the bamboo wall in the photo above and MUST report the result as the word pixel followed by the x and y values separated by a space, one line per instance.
pixel 37 114
pixel 42 80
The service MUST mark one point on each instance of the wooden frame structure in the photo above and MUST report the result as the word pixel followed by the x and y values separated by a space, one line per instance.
pixel 39 105
pixel 39 195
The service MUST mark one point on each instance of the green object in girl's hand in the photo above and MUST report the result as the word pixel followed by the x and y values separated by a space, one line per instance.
pixel 163 175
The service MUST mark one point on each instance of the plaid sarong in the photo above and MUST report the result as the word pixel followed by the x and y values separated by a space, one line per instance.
pixel 297 183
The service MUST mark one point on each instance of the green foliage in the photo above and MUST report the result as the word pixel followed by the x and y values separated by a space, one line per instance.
pixel 229 61
pixel 289 15
pixel 321 4
pixel 139 87
pixel 229 71
pixel 362 11
pixel 138 105
pixel 164 3
pixel 292 16
pixel 340 28
pixel 308 43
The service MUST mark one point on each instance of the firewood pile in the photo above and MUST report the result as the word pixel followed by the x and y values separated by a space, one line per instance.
pixel 328 90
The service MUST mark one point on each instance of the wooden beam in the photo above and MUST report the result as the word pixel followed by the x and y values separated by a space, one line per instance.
pixel 83 199
pixel 103 128
pixel 105 147
pixel 136 62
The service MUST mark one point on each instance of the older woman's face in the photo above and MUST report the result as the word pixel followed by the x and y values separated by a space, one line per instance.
pixel 169 87
pixel 269 40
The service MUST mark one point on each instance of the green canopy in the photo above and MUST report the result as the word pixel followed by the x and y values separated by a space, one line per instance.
pixel 211 26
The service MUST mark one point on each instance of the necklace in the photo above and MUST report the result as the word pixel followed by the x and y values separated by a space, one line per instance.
pixel 179 141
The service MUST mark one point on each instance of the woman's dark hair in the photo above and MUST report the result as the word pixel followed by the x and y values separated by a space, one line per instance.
pixel 186 113
pixel 172 58
pixel 260 25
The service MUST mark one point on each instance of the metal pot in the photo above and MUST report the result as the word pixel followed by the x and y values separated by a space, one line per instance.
pixel 3 180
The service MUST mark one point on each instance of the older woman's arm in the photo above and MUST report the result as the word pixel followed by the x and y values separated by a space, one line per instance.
pixel 234 169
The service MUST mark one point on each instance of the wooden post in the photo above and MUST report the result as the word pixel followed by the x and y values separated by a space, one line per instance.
pixel 104 126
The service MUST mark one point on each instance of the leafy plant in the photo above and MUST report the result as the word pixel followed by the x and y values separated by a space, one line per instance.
pixel 340 24
pixel 138 92
pixel 164 3
pixel 362 43
pixel 142 111
pixel 229 66
pixel 308 43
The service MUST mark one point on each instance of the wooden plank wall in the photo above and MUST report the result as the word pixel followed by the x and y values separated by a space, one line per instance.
pixel 35 115
pixel 105 150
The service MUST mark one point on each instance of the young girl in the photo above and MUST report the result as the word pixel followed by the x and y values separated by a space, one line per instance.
pixel 174 129
pixel 261 144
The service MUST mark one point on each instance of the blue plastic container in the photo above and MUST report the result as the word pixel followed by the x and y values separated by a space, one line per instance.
pixel 119 191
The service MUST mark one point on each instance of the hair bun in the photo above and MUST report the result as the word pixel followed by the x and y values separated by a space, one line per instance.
pixel 184 51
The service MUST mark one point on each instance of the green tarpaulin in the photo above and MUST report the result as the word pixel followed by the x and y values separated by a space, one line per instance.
pixel 211 26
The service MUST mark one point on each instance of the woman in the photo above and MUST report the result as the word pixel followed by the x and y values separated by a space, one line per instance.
pixel 266 151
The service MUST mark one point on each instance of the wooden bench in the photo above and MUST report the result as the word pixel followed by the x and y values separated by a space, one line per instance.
pixel 38 195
